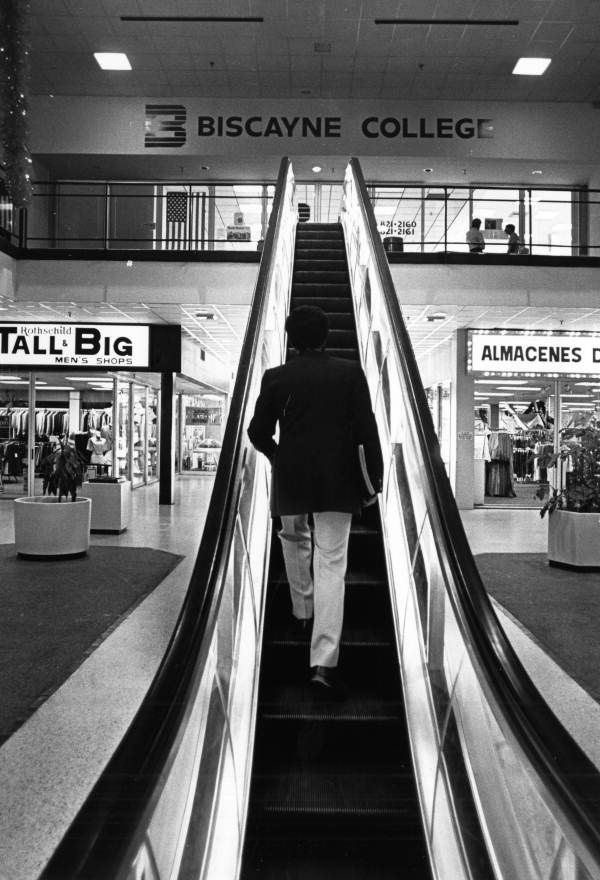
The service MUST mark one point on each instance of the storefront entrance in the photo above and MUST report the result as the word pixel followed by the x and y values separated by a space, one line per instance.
pixel 112 421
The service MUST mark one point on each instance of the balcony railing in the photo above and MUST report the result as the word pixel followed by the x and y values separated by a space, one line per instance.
pixel 200 217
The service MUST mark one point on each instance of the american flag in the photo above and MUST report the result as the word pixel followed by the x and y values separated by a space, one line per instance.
pixel 177 217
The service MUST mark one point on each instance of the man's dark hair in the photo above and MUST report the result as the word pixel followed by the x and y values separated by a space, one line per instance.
pixel 307 327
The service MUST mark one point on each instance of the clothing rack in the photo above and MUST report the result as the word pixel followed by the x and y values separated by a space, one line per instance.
pixel 94 418
pixel 48 421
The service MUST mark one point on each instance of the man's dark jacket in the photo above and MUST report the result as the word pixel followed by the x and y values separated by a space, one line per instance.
pixel 324 411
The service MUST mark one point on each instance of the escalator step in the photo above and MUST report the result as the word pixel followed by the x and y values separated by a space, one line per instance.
pixel 328 794
pixel 350 354
pixel 334 304
pixel 358 665
pixel 299 700
pixel 350 858
pixel 323 291
pixel 324 253
pixel 321 263
pixel 320 276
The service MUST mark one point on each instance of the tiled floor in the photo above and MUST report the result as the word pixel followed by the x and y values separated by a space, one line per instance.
pixel 49 765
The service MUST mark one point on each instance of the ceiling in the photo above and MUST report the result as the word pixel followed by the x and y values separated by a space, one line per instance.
pixel 319 48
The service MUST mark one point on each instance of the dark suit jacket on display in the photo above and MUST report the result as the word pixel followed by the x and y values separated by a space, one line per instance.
pixel 324 412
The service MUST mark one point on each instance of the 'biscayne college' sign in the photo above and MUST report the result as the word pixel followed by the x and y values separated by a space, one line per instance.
pixel 168 126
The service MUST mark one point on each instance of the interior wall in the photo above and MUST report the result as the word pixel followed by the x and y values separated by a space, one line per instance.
pixel 149 282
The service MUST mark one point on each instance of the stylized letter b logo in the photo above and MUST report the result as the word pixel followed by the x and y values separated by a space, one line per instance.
pixel 165 125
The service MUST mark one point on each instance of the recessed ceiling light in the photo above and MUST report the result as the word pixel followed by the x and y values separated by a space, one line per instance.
pixel 427 170
pixel 531 66
pixel 316 169
pixel 112 60
pixel 504 381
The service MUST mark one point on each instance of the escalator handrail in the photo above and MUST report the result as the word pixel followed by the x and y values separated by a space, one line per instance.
pixel 570 776
pixel 109 825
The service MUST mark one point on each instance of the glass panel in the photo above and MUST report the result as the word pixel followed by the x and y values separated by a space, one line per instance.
pixel 551 222
pixel 239 214
pixel 496 208
pixel 323 200
pixel 14 427
pixel 203 424
pixel 81 215
pixel 138 435
pixel 122 429
pixel 153 413
pixel 132 215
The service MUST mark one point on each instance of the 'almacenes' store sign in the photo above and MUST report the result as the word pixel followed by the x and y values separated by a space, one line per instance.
pixel 113 346
pixel 534 353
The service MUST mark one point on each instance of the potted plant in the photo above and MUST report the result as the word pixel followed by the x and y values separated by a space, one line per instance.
pixel 43 525
pixel 573 505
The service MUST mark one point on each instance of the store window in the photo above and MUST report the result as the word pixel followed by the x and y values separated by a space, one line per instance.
pixel 202 425
pixel 139 454
pixel 14 430
pixel 153 416
pixel 122 429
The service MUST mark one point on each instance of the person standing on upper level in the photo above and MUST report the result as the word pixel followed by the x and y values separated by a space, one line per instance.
pixel 475 238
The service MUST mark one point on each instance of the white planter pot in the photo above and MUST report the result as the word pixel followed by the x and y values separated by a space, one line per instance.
pixel 574 539
pixel 45 527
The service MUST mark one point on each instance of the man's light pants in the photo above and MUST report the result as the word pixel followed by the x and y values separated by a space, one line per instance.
pixel 322 598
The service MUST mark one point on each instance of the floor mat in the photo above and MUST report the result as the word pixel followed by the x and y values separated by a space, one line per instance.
pixel 55 612
pixel 560 608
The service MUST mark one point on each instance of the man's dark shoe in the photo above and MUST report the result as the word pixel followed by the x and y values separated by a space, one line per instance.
pixel 327 680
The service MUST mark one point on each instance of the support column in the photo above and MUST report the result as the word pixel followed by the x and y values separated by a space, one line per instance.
pixel 31 438
pixel 463 424
pixel 166 492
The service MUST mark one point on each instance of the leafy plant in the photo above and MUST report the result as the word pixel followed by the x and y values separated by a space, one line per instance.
pixel 63 472
pixel 579 453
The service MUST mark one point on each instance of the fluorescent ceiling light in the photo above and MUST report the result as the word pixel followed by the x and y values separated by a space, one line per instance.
pixel 531 66
pixel 9 378
pixel 59 388
pixel 112 60
pixel 530 388
pixel 504 381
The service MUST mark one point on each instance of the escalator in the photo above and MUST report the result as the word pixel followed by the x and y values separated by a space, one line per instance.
pixel 443 754
pixel 333 792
